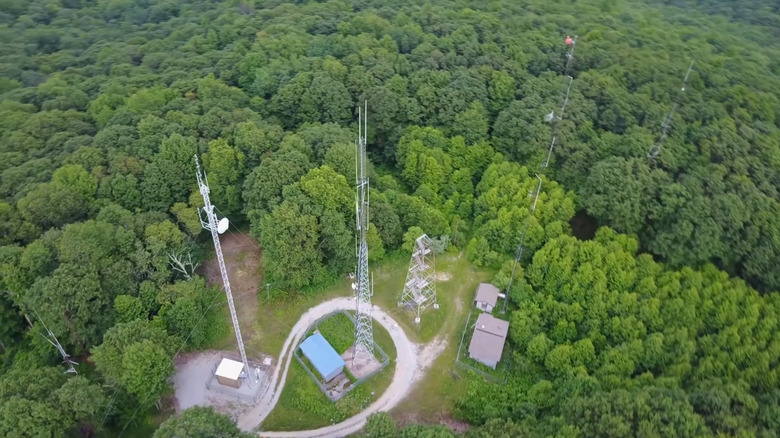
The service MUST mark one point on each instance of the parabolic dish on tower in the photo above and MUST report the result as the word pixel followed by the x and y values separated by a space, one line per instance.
pixel 223 225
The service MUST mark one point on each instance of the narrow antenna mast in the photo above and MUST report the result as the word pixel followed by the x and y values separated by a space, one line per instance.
pixel 420 287
pixel 519 252
pixel 652 154
pixel 551 117
pixel 49 336
pixel 364 331
pixel 218 227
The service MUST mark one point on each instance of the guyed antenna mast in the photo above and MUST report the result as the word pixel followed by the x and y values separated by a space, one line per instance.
pixel 49 336
pixel 364 331
pixel 553 118
pixel 519 251
pixel 218 227
pixel 652 154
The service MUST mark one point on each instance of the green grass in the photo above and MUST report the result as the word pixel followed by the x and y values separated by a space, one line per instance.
pixel 303 406
pixel 276 317
pixel 339 331
pixel 435 395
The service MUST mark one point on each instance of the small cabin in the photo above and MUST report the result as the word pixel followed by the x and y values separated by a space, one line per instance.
pixel 229 373
pixel 488 340
pixel 487 297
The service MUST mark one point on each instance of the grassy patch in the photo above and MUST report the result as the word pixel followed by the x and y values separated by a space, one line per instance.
pixel 339 331
pixel 435 395
pixel 458 280
pixel 303 406
pixel 276 317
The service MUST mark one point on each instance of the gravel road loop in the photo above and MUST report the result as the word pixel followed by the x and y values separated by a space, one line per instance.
pixel 407 370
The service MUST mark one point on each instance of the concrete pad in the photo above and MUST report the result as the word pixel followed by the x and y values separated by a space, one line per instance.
pixel 195 385
pixel 360 369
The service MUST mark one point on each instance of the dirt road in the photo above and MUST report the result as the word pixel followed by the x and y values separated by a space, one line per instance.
pixel 407 371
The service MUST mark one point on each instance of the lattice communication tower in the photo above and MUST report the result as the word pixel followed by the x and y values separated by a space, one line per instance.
pixel 364 331
pixel 420 288
pixel 218 227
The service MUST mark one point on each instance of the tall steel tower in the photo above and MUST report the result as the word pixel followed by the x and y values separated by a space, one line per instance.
pixel 364 331
pixel 420 287
pixel 218 227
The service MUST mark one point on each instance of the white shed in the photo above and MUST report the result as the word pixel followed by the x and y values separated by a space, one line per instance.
pixel 229 372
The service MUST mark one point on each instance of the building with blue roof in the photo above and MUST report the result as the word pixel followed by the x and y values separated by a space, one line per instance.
pixel 324 358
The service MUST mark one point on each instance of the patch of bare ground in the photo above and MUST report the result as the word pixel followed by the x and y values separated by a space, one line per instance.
pixel 430 352
pixel 445 420
pixel 443 276
pixel 242 259
pixel 195 369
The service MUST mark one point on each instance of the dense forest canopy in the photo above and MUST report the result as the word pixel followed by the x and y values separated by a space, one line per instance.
pixel 668 329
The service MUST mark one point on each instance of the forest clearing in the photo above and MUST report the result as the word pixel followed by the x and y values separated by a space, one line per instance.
pixel 442 218
pixel 431 397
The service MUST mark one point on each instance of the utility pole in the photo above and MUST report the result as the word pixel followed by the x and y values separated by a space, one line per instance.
pixel 218 227
pixel 364 331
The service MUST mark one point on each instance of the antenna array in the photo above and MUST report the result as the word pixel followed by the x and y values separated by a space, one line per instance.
pixel 364 332
pixel 217 227
pixel 420 287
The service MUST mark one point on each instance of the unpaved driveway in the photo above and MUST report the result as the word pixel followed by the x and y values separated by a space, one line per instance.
pixel 407 370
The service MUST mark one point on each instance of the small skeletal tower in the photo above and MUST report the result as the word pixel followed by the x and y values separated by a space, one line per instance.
pixel 364 330
pixel 420 287
pixel 218 227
